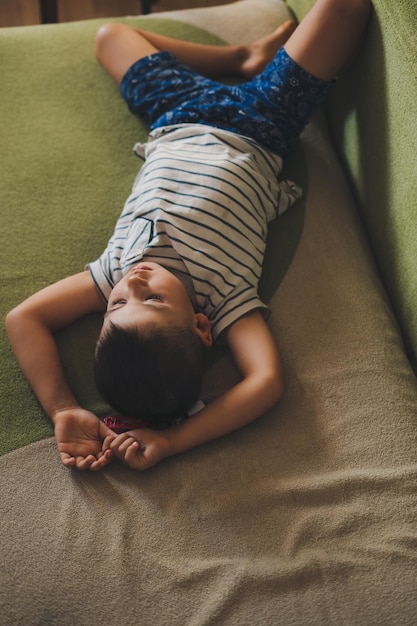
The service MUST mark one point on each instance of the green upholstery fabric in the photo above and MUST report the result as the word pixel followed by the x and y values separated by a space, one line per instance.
pixel 373 123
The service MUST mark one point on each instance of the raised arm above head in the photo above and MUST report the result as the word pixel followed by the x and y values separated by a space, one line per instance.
pixel 31 327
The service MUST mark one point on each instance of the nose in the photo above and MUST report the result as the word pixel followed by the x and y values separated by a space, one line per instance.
pixel 137 280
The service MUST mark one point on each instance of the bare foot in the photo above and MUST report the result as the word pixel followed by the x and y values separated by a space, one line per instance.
pixel 259 53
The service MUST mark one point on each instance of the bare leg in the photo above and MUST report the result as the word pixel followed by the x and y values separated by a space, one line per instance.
pixel 243 60
pixel 118 46
pixel 330 36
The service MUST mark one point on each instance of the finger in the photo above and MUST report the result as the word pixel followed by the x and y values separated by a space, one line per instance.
pixel 121 442
pixel 118 440
pixel 101 462
pixel 134 456
pixel 105 455
pixel 107 442
pixel 83 463
pixel 126 444
pixel 67 459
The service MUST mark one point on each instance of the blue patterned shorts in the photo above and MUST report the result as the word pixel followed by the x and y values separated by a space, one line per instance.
pixel 272 109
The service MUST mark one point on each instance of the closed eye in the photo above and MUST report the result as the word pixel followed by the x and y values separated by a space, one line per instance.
pixel 116 303
pixel 154 296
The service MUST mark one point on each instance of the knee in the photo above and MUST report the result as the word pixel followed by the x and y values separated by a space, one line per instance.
pixel 104 36
pixel 356 10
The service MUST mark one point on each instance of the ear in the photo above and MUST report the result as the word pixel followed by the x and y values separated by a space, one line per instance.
pixel 203 329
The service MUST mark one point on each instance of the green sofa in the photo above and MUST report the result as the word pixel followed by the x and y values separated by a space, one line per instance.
pixel 372 117
pixel 306 516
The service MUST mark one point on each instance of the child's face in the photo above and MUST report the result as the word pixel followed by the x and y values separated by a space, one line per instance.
pixel 149 295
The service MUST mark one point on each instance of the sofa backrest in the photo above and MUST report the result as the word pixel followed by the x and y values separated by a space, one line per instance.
pixel 372 115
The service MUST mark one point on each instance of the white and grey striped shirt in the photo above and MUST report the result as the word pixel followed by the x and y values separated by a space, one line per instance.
pixel 200 206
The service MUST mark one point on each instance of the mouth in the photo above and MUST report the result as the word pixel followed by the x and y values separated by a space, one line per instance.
pixel 140 268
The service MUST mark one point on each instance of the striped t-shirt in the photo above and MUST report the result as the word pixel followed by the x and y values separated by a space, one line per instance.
pixel 200 206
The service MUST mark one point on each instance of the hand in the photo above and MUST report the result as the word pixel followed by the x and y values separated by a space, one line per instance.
pixel 141 448
pixel 83 440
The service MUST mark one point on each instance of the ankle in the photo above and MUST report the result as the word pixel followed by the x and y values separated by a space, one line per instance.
pixel 241 54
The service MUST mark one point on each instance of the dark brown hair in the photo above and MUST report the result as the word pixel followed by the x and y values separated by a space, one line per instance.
pixel 153 374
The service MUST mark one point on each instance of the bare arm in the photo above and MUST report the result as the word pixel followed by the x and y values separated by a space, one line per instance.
pixel 256 355
pixel 31 327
